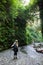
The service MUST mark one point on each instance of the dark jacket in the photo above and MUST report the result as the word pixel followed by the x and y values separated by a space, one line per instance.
pixel 15 48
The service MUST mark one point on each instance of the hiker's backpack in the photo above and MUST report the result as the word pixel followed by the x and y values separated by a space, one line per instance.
pixel 15 48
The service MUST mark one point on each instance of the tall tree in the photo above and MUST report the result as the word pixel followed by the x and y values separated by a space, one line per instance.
pixel 40 4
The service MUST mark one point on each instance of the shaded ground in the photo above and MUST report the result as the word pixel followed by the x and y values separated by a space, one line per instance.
pixel 26 56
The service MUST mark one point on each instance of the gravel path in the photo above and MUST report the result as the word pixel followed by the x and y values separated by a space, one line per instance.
pixel 26 56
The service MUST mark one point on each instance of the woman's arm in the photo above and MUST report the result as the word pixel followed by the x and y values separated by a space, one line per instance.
pixel 13 44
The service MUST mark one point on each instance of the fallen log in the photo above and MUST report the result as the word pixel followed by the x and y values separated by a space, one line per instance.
pixel 40 50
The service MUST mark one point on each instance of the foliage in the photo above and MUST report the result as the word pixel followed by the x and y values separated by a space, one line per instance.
pixel 32 34
pixel 20 30
pixel 39 4
pixel 13 20
pixel 6 26
pixel 9 11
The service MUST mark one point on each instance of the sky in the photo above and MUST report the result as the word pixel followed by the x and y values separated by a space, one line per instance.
pixel 26 2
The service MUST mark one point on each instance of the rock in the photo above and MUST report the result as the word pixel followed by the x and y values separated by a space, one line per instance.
pixel 6 57
pixel 37 45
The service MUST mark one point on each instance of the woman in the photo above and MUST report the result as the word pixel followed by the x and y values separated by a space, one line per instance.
pixel 15 48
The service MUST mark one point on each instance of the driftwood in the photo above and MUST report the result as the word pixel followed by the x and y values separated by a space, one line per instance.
pixel 40 50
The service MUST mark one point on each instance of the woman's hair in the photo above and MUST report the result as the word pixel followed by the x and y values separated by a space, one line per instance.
pixel 16 40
